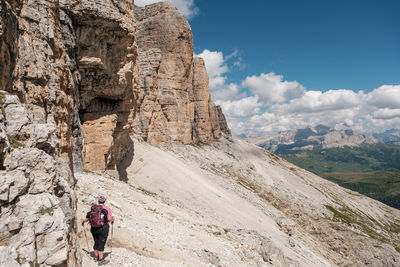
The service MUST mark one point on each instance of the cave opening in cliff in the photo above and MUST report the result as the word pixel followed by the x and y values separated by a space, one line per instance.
pixel 105 97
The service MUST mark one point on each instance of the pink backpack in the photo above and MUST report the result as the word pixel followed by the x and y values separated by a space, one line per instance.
pixel 96 218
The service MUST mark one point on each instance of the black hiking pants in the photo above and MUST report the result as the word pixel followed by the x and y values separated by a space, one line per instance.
pixel 100 235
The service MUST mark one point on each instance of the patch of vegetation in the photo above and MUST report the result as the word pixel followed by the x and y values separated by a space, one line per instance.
pixel 352 218
pixel 18 260
pixel 43 211
pixel 368 157
pixel 14 143
pixel 199 144
pixel 32 264
pixel 262 193
pixel 147 192
pixel 115 206
pixel 26 175
pixel 394 228
pixel 380 185
pixel 2 97
pixel 372 170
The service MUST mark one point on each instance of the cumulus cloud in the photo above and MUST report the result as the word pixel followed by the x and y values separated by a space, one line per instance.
pixel 186 7
pixel 386 114
pixel 242 108
pixel 216 67
pixel 386 96
pixel 272 104
pixel 317 101
pixel 271 88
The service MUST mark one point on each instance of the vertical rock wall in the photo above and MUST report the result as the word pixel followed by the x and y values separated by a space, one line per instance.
pixel 67 74
pixel 173 100
pixel 37 200
pixel 77 79
pixel 106 61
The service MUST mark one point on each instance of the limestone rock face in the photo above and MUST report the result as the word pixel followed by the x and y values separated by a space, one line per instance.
pixel 37 201
pixel 67 68
pixel 104 36
pixel 173 100
pixel 77 79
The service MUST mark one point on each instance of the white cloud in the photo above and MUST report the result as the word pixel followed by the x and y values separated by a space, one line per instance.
pixel 271 88
pixel 186 7
pixel 386 96
pixel 242 108
pixel 216 67
pixel 273 104
pixel 386 114
pixel 317 101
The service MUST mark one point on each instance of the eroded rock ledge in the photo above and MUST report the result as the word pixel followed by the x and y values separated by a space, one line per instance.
pixel 78 79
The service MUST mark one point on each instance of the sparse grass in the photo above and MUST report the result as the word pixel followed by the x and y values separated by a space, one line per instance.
pixel 2 97
pixel 43 211
pixel 397 249
pixel 393 228
pixel 265 195
pixel 115 206
pixel 351 218
pixel 26 175
pixel 274 157
pixel 147 192
pixel 199 144
pixel 231 155
pixel 18 260
pixel 14 143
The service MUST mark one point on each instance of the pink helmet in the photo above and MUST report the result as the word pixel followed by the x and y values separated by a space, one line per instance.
pixel 102 199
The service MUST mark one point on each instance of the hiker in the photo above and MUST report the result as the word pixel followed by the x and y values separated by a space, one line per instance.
pixel 99 216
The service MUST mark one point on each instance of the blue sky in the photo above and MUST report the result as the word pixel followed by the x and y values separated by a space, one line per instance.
pixel 278 65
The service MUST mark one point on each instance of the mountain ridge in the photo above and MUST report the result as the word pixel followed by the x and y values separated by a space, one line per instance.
pixel 305 139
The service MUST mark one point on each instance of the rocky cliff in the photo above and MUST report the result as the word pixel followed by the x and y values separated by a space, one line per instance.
pixel 173 101
pixel 78 79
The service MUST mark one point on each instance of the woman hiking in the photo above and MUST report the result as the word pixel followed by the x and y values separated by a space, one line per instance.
pixel 99 216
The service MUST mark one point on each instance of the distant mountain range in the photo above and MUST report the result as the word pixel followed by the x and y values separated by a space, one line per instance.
pixel 369 165
pixel 305 139
pixel 390 136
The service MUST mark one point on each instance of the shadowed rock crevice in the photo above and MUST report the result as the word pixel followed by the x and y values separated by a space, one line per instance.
pixel 106 93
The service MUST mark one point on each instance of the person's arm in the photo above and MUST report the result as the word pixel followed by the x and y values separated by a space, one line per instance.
pixel 86 219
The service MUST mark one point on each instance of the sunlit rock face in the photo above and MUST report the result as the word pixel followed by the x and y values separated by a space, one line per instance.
pixel 174 101
pixel 78 79
pixel 66 69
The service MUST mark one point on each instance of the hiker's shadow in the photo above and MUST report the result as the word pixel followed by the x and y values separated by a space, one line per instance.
pixel 91 253
pixel 105 254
